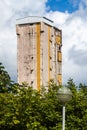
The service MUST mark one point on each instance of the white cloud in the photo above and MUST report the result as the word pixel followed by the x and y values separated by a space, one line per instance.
pixel 74 48
pixel 10 11
pixel 58 17
pixel 73 29
pixel 75 32
pixel 8 51
pixel 13 9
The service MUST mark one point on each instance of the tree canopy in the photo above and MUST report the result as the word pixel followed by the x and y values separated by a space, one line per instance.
pixel 24 108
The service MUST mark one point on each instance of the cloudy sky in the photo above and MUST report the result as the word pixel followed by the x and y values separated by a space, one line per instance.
pixel 68 15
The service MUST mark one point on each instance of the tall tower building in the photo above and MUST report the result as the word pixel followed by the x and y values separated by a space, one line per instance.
pixel 39 55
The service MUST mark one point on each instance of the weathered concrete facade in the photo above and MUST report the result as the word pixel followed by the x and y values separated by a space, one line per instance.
pixel 39 55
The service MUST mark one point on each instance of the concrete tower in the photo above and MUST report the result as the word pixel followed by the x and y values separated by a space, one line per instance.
pixel 39 53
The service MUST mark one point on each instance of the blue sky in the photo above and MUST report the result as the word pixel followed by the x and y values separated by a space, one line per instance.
pixel 63 5
pixel 68 15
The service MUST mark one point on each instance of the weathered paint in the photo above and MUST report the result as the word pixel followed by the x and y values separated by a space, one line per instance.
pixel 38 56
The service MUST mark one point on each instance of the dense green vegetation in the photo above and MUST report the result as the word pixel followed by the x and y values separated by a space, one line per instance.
pixel 28 109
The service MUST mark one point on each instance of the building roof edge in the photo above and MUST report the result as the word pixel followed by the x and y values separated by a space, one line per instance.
pixel 34 19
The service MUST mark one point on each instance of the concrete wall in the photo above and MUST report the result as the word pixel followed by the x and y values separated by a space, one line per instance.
pixel 38 46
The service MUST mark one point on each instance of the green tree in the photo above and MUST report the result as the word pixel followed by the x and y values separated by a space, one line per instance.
pixel 76 109
pixel 5 80
pixel 24 108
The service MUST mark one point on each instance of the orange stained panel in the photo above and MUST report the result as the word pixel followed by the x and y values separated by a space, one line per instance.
pixel 58 39
pixel 59 56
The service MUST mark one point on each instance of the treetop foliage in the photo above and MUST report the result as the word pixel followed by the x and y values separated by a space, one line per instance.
pixel 23 108
pixel 5 80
